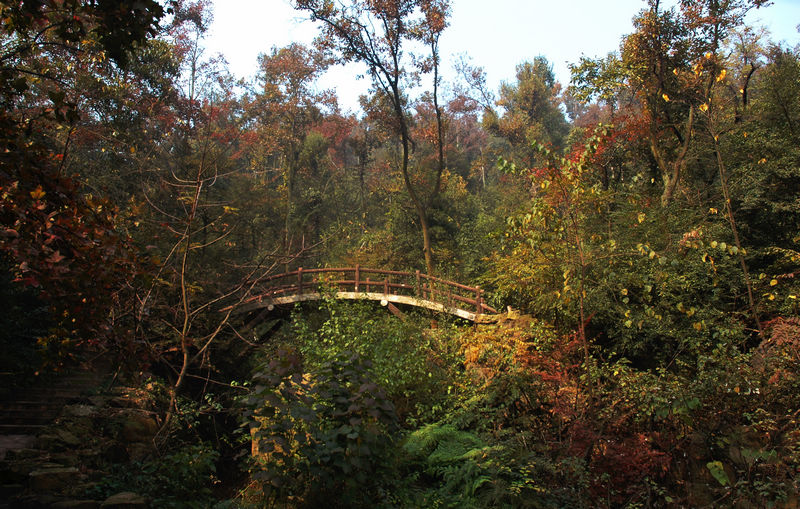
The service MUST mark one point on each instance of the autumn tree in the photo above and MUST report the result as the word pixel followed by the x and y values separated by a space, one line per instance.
pixel 285 108
pixel 381 35
pixel 57 240
pixel 531 111
pixel 660 66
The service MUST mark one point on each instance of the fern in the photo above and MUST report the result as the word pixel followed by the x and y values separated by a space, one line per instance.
pixel 453 458
pixel 441 444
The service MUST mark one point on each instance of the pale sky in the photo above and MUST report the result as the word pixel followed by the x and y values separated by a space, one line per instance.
pixel 497 35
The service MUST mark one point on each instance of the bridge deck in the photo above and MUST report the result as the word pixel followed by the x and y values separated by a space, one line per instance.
pixel 360 283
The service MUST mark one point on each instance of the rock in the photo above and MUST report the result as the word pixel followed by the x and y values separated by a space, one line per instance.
pixel 139 428
pixel 47 442
pixel 23 454
pixel 125 500
pixel 83 427
pixel 98 401
pixel 76 504
pixel 130 397
pixel 68 438
pixel 80 410
pixel 139 451
pixel 67 458
pixel 53 479
pixel 115 453
pixel 90 456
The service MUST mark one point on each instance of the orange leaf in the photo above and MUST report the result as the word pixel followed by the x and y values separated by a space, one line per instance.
pixel 56 257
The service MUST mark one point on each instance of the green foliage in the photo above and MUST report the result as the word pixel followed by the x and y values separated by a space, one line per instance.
pixel 321 436
pixel 530 112
pixel 412 364
pixel 441 444
pixel 450 457
pixel 183 478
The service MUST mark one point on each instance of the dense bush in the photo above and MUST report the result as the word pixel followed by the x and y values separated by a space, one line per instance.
pixel 320 437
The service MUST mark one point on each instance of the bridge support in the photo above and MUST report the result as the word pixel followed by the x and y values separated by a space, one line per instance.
pixel 393 309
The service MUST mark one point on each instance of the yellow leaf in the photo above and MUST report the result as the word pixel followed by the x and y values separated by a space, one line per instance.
pixel 641 216
pixel 704 107
pixel 37 194
pixel 722 74
pixel 762 160
pixel 624 291
pixel 698 326
pixel 709 55
pixel 665 96
pixel 773 282
pixel 712 210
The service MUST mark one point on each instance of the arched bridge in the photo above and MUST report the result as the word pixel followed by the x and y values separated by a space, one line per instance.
pixel 386 286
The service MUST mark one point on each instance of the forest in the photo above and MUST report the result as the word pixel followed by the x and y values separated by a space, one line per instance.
pixel 637 229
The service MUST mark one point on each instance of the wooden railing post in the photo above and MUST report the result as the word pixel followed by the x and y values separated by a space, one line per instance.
pixel 453 296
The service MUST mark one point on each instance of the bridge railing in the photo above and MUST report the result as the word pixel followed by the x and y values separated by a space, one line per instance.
pixel 388 282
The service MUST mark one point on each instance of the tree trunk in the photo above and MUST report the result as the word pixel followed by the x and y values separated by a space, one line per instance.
pixel 723 178
pixel 671 171
pixel 426 241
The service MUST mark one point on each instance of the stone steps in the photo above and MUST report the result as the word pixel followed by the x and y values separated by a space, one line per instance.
pixel 25 413
pixel 25 429
pixel 49 453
